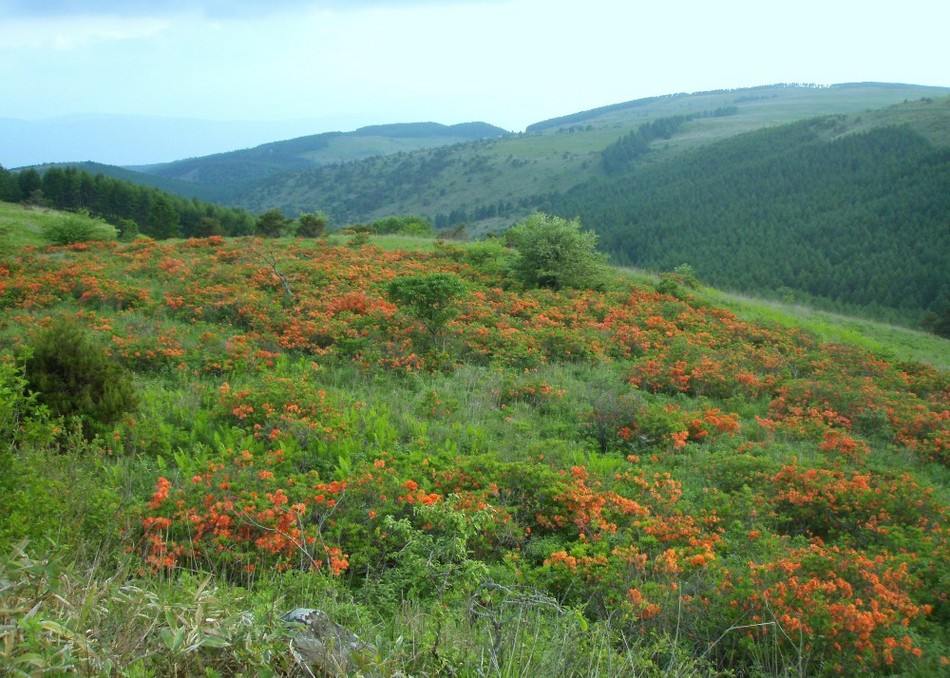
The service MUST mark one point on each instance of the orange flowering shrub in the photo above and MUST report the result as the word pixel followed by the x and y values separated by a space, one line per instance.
pixel 677 494
pixel 859 507
pixel 839 607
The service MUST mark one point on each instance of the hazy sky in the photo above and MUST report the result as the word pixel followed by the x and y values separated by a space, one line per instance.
pixel 347 63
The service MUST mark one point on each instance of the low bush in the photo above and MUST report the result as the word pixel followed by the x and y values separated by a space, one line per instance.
pixel 73 376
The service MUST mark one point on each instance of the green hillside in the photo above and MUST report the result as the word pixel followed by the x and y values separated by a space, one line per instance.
pixel 490 184
pixel 847 211
pixel 177 187
pixel 131 207
pixel 464 474
pixel 840 208
pixel 224 176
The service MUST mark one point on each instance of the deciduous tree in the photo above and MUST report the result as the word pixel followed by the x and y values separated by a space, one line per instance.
pixel 554 253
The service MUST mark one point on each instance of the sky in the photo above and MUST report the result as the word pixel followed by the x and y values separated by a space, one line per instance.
pixel 293 67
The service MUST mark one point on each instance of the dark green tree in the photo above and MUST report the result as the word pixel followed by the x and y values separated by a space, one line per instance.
pixel 29 182
pixel 163 219
pixel 430 299
pixel 72 375
pixel 938 323
pixel 208 226
pixel 311 225
pixel 9 186
pixel 271 223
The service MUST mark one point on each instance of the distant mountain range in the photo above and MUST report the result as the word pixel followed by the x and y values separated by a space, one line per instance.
pixel 837 193
pixel 474 173
pixel 134 139
pixel 224 176
pixel 480 174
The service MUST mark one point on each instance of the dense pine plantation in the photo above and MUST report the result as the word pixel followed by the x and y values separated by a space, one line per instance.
pixel 501 481
pixel 857 220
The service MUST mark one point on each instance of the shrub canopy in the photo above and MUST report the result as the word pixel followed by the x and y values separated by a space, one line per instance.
pixel 554 253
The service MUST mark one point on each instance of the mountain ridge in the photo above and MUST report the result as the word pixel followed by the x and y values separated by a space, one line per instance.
pixel 490 183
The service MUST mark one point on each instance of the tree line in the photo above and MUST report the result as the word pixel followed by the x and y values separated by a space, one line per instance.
pixel 129 207
pixel 619 155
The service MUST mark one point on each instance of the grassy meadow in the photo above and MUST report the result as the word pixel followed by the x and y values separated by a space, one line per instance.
pixel 646 479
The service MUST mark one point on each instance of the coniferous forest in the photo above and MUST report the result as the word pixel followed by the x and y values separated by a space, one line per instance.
pixel 860 220
pixel 130 207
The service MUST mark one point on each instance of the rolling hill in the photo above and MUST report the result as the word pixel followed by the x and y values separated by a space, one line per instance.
pixel 852 210
pixel 492 182
pixel 835 195
pixel 225 176
pixel 847 209
pixel 198 436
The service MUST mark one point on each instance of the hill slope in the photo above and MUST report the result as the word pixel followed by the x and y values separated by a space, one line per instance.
pixel 589 483
pixel 225 176
pixel 492 183
pixel 840 208
pixel 761 222
pixel 849 209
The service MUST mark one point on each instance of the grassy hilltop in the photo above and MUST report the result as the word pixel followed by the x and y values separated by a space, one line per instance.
pixel 474 475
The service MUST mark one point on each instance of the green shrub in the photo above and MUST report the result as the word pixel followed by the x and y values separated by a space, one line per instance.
pixel 555 253
pixel 357 240
pixel 428 298
pixel 74 377
pixel 312 225
pixel 80 227
pixel 672 283
pixel 490 257
pixel 271 224
pixel 406 225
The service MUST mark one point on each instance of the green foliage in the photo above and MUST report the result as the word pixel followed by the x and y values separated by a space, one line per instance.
pixel 490 256
pixel 357 240
pixel 128 229
pixel 800 207
pixel 190 626
pixel 619 155
pixel 271 224
pixel 673 283
pixel 80 227
pixel 938 323
pixel 555 253
pixel 74 377
pixel 407 225
pixel 44 483
pixel 17 406
pixel 434 560
pixel 311 225
pixel 119 202
pixel 431 299
pixel 9 188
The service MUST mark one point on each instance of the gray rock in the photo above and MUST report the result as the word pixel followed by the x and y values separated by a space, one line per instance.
pixel 323 647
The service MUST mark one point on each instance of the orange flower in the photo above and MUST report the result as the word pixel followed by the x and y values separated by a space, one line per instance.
pixel 679 439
